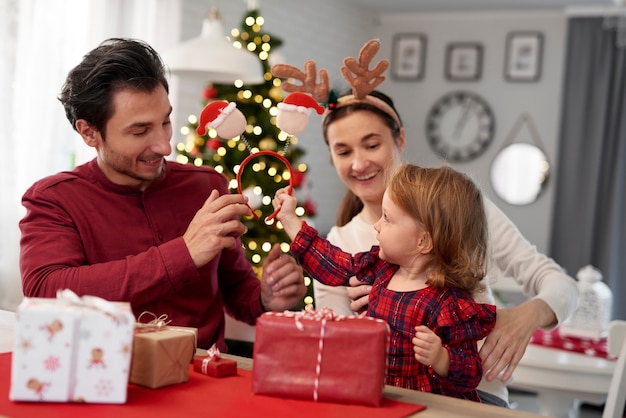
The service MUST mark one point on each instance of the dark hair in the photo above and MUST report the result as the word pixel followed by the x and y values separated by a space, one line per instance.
pixel 351 204
pixel 114 65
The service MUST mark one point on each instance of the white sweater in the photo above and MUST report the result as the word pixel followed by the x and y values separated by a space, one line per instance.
pixel 511 255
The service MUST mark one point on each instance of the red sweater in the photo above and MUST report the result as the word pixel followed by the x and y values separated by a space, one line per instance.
pixel 84 233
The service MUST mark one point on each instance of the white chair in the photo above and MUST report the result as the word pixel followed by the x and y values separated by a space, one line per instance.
pixel 616 399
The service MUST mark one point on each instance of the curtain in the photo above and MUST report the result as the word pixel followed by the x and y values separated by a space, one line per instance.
pixel 589 219
pixel 41 40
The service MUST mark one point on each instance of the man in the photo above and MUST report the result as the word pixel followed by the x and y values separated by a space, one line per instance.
pixel 131 226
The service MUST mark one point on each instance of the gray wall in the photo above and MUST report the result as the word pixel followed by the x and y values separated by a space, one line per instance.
pixel 328 32
pixel 541 99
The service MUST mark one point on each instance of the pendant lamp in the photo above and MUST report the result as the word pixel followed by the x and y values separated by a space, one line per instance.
pixel 212 56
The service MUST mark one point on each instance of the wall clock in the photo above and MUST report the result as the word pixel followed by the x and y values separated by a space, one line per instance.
pixel 460 126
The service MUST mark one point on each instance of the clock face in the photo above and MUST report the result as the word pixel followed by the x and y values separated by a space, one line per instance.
pixel 460 126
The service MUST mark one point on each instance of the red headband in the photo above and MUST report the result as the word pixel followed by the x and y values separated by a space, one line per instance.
pixel 247 160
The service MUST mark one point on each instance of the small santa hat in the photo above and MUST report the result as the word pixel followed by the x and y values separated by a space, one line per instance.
pixel 214 114
pixel 300 102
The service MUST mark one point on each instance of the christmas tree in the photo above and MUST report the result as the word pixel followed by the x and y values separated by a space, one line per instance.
pixel 264 175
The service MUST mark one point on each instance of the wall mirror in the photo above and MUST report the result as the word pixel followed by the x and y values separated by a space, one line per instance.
pixel 519 173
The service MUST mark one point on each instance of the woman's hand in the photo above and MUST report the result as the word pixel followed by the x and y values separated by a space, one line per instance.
pixel 506 343
pixel 360 295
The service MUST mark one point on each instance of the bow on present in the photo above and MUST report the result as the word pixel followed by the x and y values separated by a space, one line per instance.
pixel 156 324
pixel 160 323
pixel 213 354
pixel 68 297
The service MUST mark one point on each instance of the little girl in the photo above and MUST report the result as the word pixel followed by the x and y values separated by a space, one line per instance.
pixel 431 257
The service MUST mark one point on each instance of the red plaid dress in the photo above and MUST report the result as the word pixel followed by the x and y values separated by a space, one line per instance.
pixel 450 312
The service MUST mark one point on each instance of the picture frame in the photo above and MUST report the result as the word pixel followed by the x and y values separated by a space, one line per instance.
pixel 464 61
pixel 523 56
pixel 408 57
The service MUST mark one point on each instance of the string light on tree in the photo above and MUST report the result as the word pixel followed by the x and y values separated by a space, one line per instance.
pixel 260 180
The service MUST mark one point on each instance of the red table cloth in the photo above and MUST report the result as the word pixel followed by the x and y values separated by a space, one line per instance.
pixel 589 347
pixel 200 396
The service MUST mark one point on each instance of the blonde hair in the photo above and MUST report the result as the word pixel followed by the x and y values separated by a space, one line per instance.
pixel 450 207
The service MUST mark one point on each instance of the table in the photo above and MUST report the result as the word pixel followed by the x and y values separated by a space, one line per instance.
pixel 437 406
pixel 563 379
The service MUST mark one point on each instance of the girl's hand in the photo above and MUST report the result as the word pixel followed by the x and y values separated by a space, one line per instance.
pixel 429 351
pixel 285 203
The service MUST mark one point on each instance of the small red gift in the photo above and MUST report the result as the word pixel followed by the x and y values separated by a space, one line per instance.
pixel 320 356
pixel 213 365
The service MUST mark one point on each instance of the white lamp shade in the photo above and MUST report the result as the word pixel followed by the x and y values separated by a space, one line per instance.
pixel 213 57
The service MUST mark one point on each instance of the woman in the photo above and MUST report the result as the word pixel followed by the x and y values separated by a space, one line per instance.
pixel 366 140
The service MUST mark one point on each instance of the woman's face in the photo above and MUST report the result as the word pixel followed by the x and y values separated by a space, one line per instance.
pixel 364 153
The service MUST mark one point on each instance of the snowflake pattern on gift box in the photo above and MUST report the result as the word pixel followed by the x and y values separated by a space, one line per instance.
pixel 104 387
pixel 52 363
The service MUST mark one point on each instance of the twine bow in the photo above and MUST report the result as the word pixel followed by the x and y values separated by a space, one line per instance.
pixel 156 324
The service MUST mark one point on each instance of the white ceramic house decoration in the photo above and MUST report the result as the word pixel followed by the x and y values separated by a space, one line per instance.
pixel 591 319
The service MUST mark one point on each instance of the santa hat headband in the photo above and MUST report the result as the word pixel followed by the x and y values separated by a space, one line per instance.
pixel 300 102
pixel 214 114
pixel 356 72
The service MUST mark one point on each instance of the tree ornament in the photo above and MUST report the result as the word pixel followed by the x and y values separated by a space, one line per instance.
pixel 298 178
pixel 213 144
pixel 209 93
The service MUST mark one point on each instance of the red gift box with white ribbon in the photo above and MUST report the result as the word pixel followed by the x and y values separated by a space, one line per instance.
pixel 320 356
pixel 214 365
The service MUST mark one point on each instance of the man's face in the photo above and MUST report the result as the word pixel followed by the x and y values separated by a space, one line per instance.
pixel 137 137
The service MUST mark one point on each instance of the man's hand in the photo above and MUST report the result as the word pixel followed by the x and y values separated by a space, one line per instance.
pixel 282 284
pixel 360 295
pixel 506 343
pixel 215 226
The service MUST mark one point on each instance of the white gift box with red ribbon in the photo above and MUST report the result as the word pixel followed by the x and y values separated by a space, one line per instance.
pixel 72 349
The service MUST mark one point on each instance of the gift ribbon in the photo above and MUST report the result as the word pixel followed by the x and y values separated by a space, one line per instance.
pixel 92 302
pixel 156 324
pixel 213 353
pixel 324 315
pixel 160 323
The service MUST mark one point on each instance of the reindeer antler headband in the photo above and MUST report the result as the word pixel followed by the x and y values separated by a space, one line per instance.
pixel 357 73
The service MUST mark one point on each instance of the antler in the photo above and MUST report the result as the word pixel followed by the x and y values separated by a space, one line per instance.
pixel 359 76
pixel 319 91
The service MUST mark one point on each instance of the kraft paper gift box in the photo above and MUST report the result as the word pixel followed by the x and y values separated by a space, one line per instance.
pixel 72 349
pixel 214 365
pixel 320 356
pixel 162 354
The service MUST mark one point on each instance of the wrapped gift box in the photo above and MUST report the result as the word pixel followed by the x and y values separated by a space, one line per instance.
pixel 320 356
pixel 161 357
pixel 215 366
pixel 72 349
